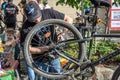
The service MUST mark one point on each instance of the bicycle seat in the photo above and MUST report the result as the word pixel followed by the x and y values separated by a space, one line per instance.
pixel 101 3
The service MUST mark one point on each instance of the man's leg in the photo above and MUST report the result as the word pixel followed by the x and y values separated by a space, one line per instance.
pixel 30 71
pixel 45 68
pixel 57 66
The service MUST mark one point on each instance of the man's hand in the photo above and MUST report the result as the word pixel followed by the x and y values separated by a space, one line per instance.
pixel 51 46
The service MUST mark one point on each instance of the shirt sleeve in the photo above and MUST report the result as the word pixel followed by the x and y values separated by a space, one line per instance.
pixel 57 15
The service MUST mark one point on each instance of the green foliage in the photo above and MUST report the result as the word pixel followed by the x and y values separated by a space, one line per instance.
pixel 77 3
pixel 103 48
pixel 100 48
pixel 44 1
pixel 74 3
pixel 116 3
pixel 72 50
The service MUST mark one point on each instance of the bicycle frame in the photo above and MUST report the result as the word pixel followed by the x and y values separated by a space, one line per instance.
pixel 91 38
pixel 75 63
pixel 93 35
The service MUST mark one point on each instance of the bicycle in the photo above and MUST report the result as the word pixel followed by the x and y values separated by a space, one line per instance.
pixel 116 75
pixel 72 48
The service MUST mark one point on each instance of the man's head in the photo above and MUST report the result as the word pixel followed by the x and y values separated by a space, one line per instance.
pixel 32 11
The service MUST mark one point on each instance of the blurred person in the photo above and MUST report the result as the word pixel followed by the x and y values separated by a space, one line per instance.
pixel 43 4
pixel 21 5
pixel 5 2
pixel 11 15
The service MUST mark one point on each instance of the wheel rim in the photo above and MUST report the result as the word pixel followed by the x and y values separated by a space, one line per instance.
pixel 71 48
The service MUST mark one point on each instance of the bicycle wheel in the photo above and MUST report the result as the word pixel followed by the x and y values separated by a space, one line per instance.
pixel 17 75
pixel 116 75
pixel 67 45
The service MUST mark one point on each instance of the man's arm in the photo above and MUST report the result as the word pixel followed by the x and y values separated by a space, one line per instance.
pixel 68 19
pixel 39 50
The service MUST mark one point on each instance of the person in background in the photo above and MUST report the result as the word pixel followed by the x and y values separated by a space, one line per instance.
pixel 12 40
pixel 43 4
pixel 11 15
pixel 5 2
pixel 80 24
pixel 21 5
pixel 35 15
pixel 2 15
pixel 40 4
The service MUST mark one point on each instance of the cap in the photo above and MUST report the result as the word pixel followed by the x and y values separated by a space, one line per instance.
pixel 32 11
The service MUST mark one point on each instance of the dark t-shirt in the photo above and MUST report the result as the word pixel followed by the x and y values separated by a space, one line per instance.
pixel 11 11
pixel 46 14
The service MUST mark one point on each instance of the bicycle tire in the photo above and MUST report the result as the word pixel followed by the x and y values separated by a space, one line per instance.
pixel 116 74
pixel 17 75
pixel 61 23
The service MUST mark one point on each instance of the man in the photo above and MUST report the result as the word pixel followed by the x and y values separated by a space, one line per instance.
pixel 10 16
pixel 35 15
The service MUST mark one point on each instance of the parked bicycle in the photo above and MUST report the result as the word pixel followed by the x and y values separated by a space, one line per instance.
pixel 72 48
